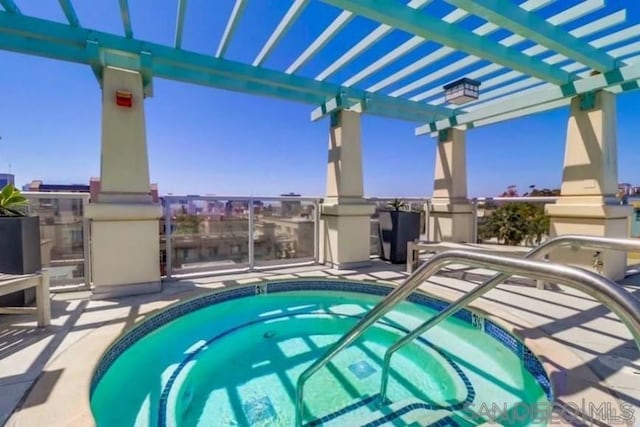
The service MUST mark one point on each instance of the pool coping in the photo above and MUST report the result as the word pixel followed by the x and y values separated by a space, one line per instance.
pixel 82 358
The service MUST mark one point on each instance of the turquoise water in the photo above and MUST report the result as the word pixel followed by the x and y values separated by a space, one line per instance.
pixel 236 364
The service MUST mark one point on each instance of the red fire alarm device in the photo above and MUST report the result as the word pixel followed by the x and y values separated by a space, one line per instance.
pixel 124 98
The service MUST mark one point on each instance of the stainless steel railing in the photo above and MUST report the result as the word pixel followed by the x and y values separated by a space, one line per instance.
pixel 611 295
pixel 591 242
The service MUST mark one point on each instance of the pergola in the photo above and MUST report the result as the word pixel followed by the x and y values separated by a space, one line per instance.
pixel 529 56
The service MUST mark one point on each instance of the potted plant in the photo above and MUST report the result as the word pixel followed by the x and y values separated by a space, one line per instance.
pixel 398 225
pixel 19 234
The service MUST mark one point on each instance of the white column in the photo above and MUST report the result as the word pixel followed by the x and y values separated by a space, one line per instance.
pixel 589 183
pixel 125 246
pixel 452 215
pixel 346 215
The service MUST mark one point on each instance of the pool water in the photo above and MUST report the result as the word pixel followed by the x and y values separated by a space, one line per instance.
pixel 236 363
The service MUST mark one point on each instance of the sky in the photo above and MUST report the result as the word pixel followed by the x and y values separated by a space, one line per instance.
pixel 203 140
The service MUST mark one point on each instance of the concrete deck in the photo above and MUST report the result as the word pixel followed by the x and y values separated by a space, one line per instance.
pixel 45 374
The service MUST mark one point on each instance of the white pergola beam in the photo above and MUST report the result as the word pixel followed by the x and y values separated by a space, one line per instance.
pixel 509 16
pixel 482 30
pixel 182 10
pixel 538 97
pixel 232 25
pixel 509 41
pixel 334 104
pixel 285 24
pixel 531 81
pixel 415 41
pixel 364 44
pixel 325 37
pixel 633 85
pixel 524 112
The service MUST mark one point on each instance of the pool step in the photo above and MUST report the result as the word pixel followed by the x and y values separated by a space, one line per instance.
pixel 367 413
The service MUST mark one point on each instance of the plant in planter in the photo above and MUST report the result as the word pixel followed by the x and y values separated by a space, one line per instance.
pixel 19 234
pixel 398 225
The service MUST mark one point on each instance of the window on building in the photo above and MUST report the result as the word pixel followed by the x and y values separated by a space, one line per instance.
pixel 185 253
pixel 76 207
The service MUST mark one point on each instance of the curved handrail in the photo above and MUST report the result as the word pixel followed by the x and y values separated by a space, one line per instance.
pixel 617 299
pixel 584 241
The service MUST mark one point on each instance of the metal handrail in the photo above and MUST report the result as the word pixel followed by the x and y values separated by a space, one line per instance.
pixel 583 241
pixel 614 297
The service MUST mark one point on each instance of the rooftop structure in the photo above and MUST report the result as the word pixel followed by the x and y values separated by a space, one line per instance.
pixel 563 46
pixel 7 178
pixel 394 60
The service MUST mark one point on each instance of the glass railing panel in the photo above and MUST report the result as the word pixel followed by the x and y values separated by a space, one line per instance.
pixel 284 231
pixel 207 234
pixel 63 235
pixel 635 223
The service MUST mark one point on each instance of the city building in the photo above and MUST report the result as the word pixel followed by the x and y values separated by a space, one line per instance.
pixel 93 188
pixel 294 236
pixel 40 186
pixel 290 207
pixel 7 178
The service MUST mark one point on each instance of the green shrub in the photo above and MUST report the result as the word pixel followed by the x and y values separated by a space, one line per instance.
pixel 516 222
pixel 12 202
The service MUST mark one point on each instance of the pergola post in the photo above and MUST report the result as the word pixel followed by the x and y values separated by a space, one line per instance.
pixel 452 215
pixel 125 243
pixel 588 203
pixel 345 214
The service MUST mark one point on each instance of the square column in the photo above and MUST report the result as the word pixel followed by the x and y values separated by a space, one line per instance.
pixel 589 184
pixel 345 214
pixel 125 242
pixel 452 216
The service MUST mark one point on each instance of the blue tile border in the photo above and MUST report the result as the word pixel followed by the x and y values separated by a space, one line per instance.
pixel 447 421
pixel 504 337
pixel 359 404
pixel 530 362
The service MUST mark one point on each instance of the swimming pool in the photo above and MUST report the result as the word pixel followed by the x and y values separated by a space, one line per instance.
pixel 232 358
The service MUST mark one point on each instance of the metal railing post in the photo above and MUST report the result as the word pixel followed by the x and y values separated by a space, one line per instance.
pixel 168 236
pixel 540 252
pixel 427 220
pixel 475 220
pixel 617 299
pixel 86 244
pixel 251 236
pixel 316 232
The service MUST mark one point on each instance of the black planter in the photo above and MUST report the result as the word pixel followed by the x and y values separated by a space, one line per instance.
pixel 397 228
pixel 19 254
pixel 20 245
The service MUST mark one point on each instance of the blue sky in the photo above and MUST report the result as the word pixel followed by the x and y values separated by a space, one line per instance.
pixel 207 141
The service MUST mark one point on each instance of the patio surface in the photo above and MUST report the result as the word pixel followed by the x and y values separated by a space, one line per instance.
pixel 45 374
